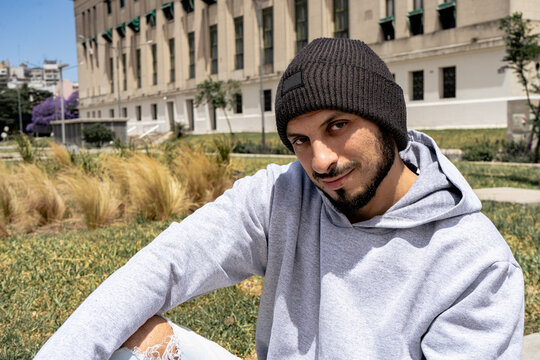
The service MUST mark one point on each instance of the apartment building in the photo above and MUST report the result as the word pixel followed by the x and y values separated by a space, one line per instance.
pixel 143 59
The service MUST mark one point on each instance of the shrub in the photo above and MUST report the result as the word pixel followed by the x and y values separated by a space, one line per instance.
pixel 95 198
pixel 481 151
pixel 26 148
pixel 97 134
pixel 204 178
pixel 40 194
pixel 515 152
pixel 152 190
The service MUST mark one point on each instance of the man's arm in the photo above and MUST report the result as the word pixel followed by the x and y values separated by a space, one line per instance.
pixel 219 245
pixel 485 322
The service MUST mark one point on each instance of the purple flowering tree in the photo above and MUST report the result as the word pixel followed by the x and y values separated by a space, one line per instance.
pixel 50 110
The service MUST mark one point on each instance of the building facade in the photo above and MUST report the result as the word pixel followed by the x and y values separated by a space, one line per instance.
pixel 40 78
pixel 143 59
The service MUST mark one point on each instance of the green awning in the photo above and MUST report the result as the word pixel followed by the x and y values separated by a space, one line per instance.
pixel 94 39
pixel 121 30
pixel 168 10
pixel 446 5
pixel 151 17
pixel 210 2
pixel 107 35
pixel 83 43
pixel 387 19
pixel 187 5
pixel 134 24
pixel 415 12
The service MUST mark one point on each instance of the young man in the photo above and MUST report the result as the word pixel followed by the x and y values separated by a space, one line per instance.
pixel 372 244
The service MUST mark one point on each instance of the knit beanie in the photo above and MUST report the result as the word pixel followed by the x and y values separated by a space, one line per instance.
pixel 345 75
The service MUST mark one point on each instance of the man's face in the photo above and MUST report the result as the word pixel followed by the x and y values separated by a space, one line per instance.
pixel 345 155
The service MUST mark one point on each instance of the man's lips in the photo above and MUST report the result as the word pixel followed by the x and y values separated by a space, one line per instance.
pixel 336 182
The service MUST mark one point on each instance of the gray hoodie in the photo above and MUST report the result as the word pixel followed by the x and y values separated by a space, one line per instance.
pixel 431 278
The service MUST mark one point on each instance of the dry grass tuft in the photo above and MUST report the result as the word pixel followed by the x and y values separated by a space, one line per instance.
pixel 3 226
pixel 95 198
pixel 153 192
pixel 204 177
pixel 39 195
pixel 61 155
pixel 252 286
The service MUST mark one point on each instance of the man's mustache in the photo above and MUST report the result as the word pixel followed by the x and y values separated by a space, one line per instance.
pixel 336 171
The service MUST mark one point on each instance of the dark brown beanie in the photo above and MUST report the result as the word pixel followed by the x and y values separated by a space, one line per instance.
pixel 345 75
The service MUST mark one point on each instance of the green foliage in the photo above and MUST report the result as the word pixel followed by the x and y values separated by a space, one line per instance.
pixel 522 54
pixel 218 95
pixel 460 138
pixel 27 148
pixel 481 151
pixel 515 152
pixel 9 105
pixel 97 134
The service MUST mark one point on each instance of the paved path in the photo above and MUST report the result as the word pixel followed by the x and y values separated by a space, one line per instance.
pixel 506 194
pixel 531 347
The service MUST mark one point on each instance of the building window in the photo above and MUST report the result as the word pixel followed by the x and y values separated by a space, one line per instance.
pixel 151 18
pixel 239 39
pixel 111 71
pixel 387 23
pixel 122 3
pixel 417 85
pixel 416 18
pixel 449 82
pixel 109 6
pixel 138 112
pixel 168 10
pixel 447 14
pixel 124 70
pixel 213 118
pixel 187 5
pixel 124 112
pixel 301 19
pixel 154 111
pixel 268 35
pixel 213 49
pixel 138 66
pixel 341 18
pixel 111 113
pixel 154 64
pixel 238 103
pixel 267 100
pixel 191 44
pixel 99 114
pixel 172 75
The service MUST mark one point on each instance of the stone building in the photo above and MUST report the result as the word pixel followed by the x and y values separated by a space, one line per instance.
pixel 144 58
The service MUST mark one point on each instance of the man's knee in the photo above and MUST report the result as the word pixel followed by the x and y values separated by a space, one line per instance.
pixel 154 334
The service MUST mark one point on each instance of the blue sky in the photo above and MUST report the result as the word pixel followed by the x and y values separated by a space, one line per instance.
pixel 35 30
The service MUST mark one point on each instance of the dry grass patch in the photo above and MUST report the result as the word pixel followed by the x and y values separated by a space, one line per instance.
pixel 40 195
pixel 204 177
pixel 252 286
pixel 154 193
pixel 61 155
pixel 95 198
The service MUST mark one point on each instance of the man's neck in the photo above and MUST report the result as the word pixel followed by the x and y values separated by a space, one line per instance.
pixel 394 186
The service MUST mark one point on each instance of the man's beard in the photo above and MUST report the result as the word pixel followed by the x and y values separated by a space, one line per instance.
pixel 350 204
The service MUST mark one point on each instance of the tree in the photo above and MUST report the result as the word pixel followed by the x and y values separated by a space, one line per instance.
pixel 97 134
pixel 50 110
pixel 219 95
pixel 9 106
pixel 522 56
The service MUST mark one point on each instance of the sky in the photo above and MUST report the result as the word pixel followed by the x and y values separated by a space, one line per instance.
pixel 34 30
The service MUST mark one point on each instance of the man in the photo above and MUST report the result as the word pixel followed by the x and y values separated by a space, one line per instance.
pixel 372 244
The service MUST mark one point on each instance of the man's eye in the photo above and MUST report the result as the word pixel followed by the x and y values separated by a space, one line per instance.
pixel 337 125
pixel 298 141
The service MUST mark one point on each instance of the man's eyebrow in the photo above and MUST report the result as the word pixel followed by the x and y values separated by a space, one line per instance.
pixel 330 118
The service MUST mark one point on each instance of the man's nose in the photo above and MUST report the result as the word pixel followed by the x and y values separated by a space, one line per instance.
pixel 323 157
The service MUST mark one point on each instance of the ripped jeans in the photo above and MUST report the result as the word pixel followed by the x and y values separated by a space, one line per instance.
pixel 188 344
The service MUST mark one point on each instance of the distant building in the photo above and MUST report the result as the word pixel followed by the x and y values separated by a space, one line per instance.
pixel 45 78
pixel 446 55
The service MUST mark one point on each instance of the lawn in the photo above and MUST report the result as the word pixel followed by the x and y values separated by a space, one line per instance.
pixel 46 276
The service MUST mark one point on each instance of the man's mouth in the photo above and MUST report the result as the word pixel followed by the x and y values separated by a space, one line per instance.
pixel 336 182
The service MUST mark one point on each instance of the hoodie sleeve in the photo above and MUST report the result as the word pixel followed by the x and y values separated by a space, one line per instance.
pixel 485 322
pixel 219 245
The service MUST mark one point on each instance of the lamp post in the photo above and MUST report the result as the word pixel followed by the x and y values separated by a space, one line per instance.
pixel 258 4
pixel 19 105
pixel 62 115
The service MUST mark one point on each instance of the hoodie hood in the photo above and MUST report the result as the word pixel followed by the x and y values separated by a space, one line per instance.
pixel 440 191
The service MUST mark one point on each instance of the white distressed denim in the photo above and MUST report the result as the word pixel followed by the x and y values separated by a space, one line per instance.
pixel 189 346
